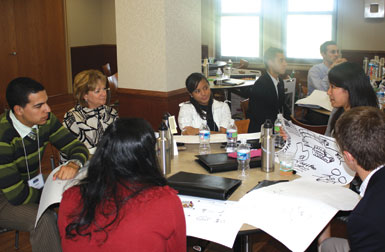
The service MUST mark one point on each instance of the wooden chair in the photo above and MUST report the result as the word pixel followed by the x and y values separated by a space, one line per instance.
pixel 315 128
pixel 107 69
pixel 3 230
pixel 243 63
pixel 242 125
pixel 112 85
pixel 244 107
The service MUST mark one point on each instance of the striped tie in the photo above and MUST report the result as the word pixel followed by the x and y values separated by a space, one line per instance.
pixel 32 134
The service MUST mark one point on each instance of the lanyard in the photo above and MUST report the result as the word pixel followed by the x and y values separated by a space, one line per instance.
pixel 38 150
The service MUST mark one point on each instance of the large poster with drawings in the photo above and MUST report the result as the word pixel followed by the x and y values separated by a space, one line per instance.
pixel 316 156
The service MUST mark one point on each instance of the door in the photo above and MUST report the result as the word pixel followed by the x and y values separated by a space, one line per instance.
pixel 8 60
pixel 33 43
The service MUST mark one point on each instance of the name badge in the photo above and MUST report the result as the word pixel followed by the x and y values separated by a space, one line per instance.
pixel 36 182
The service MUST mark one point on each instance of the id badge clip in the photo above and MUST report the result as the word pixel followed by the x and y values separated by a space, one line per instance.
pixel 36 182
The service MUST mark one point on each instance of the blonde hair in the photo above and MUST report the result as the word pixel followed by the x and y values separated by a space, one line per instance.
pixel 86 81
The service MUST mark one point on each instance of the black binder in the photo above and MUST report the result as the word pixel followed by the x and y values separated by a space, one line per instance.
pixel 202 185
pixel 220 162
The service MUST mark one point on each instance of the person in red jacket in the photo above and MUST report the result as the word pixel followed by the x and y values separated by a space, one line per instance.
pixel 123 204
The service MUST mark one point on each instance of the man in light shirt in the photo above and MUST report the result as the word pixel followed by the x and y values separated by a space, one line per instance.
pixel 25 131
pixel 318 75
pixel 360 136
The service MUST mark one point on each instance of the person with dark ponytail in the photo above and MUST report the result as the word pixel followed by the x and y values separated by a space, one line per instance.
pixel 349 87
pixel 123 203
pixel 202 107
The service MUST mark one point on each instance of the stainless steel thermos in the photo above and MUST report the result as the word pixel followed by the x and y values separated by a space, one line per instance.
pixel 163 150
pixel 267 146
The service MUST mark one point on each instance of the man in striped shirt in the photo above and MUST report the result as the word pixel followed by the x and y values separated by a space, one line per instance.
pixel 25 131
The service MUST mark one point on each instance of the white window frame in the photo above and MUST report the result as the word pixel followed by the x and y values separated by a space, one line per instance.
pixel 284 29
pixel 218 34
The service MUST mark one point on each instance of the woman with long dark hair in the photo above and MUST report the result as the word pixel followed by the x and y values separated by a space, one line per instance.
pixel 349 88
pixel 202 107
pixel 123 204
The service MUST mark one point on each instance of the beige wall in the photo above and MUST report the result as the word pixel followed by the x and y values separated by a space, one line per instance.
pixel 356 32
pixel 90 22
pixel 158 43
pixel 208 25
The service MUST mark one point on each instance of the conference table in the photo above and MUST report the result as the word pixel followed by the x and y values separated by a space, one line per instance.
pixel 185 161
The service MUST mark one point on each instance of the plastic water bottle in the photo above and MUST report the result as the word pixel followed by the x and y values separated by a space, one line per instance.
pixel 381 95
pixel 228 69
pixel 243 158
pixel 204 139
pixel 232 136
pixel 278 124
pixel 230 63
pixel 219 76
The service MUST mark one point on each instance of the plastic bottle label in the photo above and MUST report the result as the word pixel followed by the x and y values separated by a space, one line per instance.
pixel 232 134
pixel 204 135
pixel 243 156
pixel 277 129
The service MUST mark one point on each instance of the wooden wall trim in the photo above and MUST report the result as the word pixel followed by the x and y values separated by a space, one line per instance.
pixel 150 105
pixel 150 93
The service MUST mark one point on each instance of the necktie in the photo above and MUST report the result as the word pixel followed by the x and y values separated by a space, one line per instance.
pixel 32 134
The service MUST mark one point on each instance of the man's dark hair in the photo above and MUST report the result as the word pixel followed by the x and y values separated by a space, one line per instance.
pixel 360 132
pixel 19 89
pixel 324 47
pixel 270 54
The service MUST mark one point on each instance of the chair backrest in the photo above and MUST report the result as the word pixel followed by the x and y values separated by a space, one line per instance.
pixel 112 82
pixel 244 107
pixel 290 93
pixel 106 69
pixel 242 125
pixel 315 128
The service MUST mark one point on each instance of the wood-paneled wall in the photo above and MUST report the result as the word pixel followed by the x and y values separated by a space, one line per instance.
pixel 93 57
pixel 150 105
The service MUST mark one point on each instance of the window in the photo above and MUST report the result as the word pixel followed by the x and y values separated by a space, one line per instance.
pixel 239 28
pixel 309 23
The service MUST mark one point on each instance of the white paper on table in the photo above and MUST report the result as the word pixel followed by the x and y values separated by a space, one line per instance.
pixel 54 189
pixel 318 98
pixel 316 156
pixel 296 212
pixel 214 138
pixel 215 220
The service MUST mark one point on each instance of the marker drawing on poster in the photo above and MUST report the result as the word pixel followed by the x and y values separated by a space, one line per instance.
pixel 316 156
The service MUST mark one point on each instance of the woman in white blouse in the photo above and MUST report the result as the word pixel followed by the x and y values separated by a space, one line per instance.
pixel 202 107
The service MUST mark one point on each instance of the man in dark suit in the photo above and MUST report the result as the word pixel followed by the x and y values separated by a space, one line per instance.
pixel 267 96
pixel 360 136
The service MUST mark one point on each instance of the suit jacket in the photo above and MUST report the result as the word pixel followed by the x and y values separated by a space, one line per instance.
pixel 366 225
pixel 264 103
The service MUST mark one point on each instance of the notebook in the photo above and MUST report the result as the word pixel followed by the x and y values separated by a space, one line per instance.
pixel 203 185
pixel 221 162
